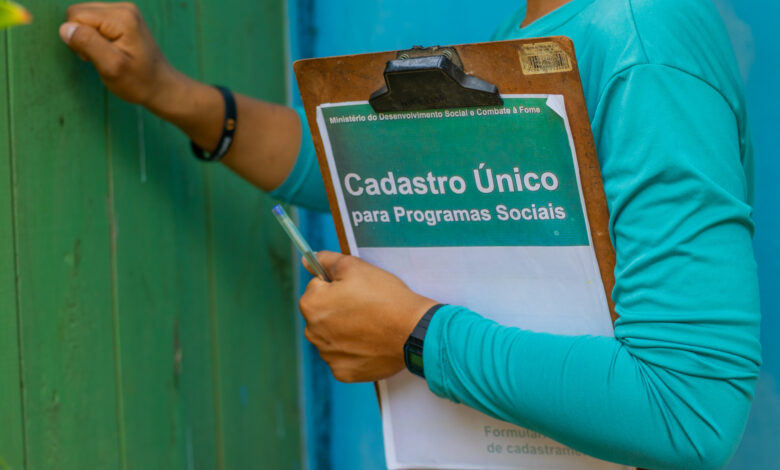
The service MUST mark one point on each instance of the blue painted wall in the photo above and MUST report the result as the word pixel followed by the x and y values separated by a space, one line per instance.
pixel 343 425
pixel 753 29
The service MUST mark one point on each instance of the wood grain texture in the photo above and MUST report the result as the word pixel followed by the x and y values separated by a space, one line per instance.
pixel 355 77
pixel 174 24
pixel 62 227
pixel 148 281
pixel 11 406
pixel 161 273
pixel 252 258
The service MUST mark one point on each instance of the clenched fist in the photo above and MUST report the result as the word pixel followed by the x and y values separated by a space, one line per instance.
pixel 115 38
pixel 361 320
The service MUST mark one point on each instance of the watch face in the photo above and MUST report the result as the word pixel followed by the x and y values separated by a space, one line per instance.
pixel 415 360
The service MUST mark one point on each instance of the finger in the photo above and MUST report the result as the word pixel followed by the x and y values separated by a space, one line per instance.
pixel 83 5
pixel 342 370
pixel 111 23
pixel 87 42
pixel 316 272
pixel 310 299
pixel 315 285
pixel 66 31
pixel 308 335
pixel 91 13
pixel 307 266
pixel 334 263
pixel 104 6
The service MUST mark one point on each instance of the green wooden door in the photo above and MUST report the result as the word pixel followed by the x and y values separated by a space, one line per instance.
pixel 147 314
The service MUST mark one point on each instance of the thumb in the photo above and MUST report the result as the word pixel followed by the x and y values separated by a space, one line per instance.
pixel 336 263
pixel 318 260
pixel 308 266
pixel 87 42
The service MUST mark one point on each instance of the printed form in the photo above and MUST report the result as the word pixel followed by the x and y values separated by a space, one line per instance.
pixel 479 207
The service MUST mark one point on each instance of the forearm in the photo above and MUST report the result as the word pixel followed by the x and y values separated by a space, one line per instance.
pixel 591 393
pixel 673 387
pixel 267 139
pixel 115 38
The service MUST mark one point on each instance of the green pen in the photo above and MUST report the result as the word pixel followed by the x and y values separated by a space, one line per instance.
pixel 295 235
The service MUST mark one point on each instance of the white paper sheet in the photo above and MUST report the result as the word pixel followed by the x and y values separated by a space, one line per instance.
pixel 554 289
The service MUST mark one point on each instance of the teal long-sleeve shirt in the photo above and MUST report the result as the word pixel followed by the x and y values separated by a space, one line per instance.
pixel 673 388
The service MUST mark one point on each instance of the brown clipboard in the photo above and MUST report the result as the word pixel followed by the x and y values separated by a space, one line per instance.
pixel 526 66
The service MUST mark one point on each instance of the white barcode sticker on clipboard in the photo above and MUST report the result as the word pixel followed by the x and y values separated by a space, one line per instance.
pixel 543 57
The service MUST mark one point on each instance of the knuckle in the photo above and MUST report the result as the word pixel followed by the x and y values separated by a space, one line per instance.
pixel 303 305
pixel 346 264
pixel 305 302
pixel 308 299
pixel 314 321
pixel 134 14
pixel 76 9
pixel 344 374
pixel 115 68
pixel 351 378
pixel 308 335
pixel 311 286
pixel 126 17
pixel 338 373
pixel 126 6
pixel 309 313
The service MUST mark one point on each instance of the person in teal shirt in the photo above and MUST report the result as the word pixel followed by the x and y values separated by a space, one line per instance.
pixel 672 389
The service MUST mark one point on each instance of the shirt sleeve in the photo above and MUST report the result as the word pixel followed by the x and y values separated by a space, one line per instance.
pixel 672 389
pixel 303 186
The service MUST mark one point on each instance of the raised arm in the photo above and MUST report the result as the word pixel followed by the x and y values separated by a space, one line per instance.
pixel 115 38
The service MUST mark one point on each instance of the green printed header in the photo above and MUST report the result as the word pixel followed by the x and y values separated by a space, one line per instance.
pixel 498 176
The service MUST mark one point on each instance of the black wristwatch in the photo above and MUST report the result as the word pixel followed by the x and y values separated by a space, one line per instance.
pixel 413 349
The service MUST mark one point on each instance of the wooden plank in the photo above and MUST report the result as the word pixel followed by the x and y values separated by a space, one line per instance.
pixel 62 233
pixel 11 407
pixel 177 36
pixel 161 271
pixel 253 278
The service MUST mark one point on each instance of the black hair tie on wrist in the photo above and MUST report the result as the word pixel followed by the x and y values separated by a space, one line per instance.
pixel 228 129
